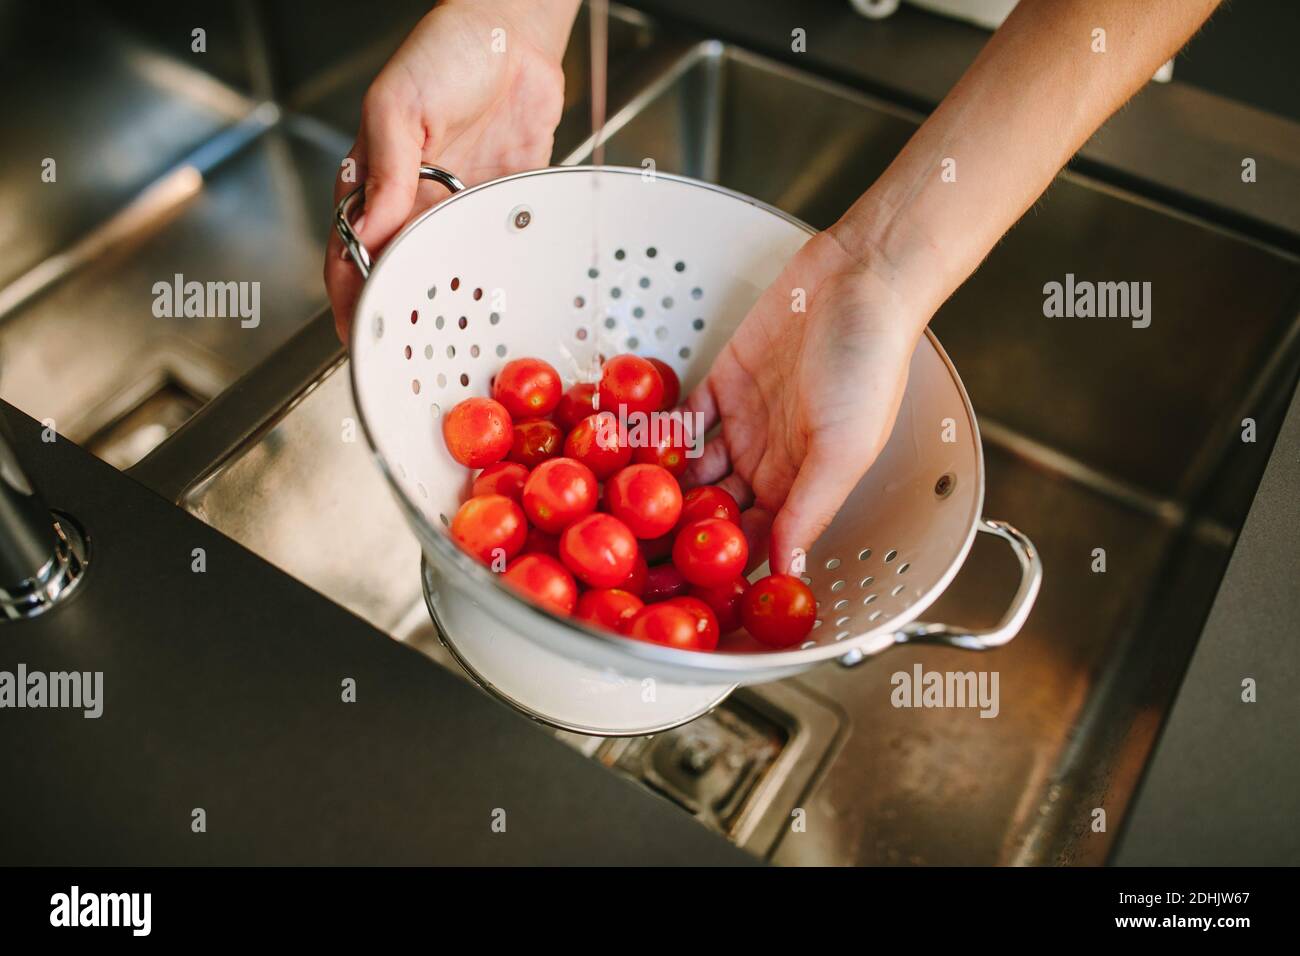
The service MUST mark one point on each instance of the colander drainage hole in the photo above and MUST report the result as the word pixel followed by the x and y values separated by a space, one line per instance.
pixel 464 379
pixel 501 351
pixel 890 556
pixel 841 635
pixel 442 380
pixel 439 322
pixel 455 284
pixel 867 582
pixel 841 621
pixel 874 615
pixel 415 316
pixel 870 598
pixel 407 351
pixel 897 591
pixel 415 386
pixel 902 568
pixel 838 585
pixel 864 554
pixel 428 351
pixel 841 603
pixel 462 322
pixel 832 564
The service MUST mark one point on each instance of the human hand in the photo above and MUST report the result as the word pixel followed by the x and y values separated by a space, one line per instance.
pixel 456 94
pixel 806 399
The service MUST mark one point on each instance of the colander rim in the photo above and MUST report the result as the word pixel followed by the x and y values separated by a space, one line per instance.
pixel 483 583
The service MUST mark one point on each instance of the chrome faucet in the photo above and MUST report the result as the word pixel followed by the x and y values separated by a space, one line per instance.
pixel 42 553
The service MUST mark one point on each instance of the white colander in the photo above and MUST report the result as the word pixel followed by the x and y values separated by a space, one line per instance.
pixel 506 270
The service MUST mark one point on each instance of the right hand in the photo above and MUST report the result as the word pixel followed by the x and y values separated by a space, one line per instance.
pixel 448 98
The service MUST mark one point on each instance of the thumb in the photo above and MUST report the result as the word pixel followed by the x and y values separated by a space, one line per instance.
pixel 393 148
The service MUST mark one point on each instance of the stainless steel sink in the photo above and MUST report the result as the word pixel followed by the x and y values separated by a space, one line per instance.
pixel 217 167
pixel 1096 437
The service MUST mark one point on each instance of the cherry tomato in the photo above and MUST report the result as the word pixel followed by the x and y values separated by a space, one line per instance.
pixel 672 384
pixel 632 382
pixel 645 498
pixel 724 599
pixel 599 550
pixel 635 582
pixel 541 578
pixel 490 527
pixel 503 478
pixel 558 492
pixel 709 501
pixel 670 625
pixel 710 551
pixel 706 623
pixel 527 387
pixel 666 452
pixel 778 610
pixel 658 550
pixel 478 431
pixel 595 441
pixel 539 542
pixel 610 608
pixel 663 582
pixel 535 441
pixel 576 404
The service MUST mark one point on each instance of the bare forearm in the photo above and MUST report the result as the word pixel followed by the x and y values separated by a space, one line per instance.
pixel 1037 91
pixel 548 21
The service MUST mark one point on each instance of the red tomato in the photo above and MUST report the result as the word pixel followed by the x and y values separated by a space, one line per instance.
pixel 527 387
pixel 668 624
pixel 478 431
pixel 723 599
pixel 609 608
pixel 672 384
pixel 535 441
pixel 635 582
pixel 578 402
pixel 706 623
pixel 664 452
pixel 558 492
pixel 709 501
pixel 543 579
pixel 599 550
pixel 490 527
pixel 503 478
pixel 778 610
pixel 539 542
pixel 710 551
pixel 663 582
pixel 658 550
pixel 595 441
pixel 645 498
pixel 632 382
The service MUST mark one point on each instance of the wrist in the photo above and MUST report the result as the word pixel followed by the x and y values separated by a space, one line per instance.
pixel 544 24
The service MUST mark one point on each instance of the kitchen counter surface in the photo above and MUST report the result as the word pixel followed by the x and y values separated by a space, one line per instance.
pixel 1224 785
pixel 222 690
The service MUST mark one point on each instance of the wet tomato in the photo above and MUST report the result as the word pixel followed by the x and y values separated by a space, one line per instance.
pixel 632 382
pixel 490 527
pixel 646 498
pixel 610 608
pixel 658 550
pixel 635 582
pixel 706 622
pixel 576 404
pixel 778 610
pixel 672 384
pixel 666 451
pixel 478 432
pixel 503 478
pixel 599 549
pixel 709 501
pixel 723 599
pixel 558 492
pixel 539 542
pixel 544 580
pixel 670 625
pixel 710 551
pixel 535 441
pixel 663 582
pixel 595 441
pixel 528 388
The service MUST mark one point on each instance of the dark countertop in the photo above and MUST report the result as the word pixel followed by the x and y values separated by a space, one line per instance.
pixel 1224 785
pixel 222 690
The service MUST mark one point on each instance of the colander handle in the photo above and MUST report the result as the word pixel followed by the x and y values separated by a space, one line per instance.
pixel 343 214
pixel 1031 578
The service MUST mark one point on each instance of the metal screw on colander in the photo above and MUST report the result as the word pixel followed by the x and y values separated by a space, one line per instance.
pixel 522 217
pixel 943 487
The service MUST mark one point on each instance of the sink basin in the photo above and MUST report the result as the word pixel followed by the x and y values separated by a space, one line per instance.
pixel 1136 451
